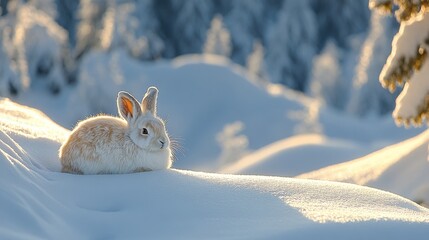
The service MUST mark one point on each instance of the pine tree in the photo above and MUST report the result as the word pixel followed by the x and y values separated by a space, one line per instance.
pixel 245 24
pixel 291 45
pixel 218 40
pixel 9 80
pixel 191 24
pixel 148 28
pixel 91 21
pixel 233 145
pixel 326 83
pixel 407 63
pixel 255 61
pixel 368 96
pixel 339 20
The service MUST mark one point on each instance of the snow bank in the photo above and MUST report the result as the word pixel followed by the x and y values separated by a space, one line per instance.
pixel 38 202
pixel 402 168
pixel 295 155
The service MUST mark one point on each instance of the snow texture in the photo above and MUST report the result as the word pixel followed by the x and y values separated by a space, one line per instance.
pixel 36 201
pixel 295 155
pixel 402 168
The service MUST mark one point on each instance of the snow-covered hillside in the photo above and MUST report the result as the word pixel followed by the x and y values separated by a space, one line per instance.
pixel 402 168
pixel 36 201
pixel 202 94
pixel 295 155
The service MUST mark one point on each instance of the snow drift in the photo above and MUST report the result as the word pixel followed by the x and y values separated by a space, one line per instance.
pixel 36 201
pixel 402 168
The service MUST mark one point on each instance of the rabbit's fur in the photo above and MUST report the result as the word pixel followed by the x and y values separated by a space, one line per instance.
pixel 136 142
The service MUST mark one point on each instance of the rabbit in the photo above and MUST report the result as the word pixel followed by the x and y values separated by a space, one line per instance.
pixel 136 142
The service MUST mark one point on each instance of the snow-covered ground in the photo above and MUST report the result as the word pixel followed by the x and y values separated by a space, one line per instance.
pixel 295 155
pixel 280 132
pixel 402 168
pixel 202 94
pixel 37 201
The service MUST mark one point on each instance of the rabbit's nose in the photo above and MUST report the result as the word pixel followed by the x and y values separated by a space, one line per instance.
pixel 162 143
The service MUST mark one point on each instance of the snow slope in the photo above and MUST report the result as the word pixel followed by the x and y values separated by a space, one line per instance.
pixel 36 201
pixel 199 96
pixel 402 168
pixel 296 155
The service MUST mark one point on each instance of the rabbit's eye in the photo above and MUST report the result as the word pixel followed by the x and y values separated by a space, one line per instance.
pixel 144 131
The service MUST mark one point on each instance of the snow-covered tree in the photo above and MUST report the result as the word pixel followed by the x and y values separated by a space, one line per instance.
pixel 190 26
pixel 326 83
pixel 129 24
pixel 49 7
pixel 39 42
pixel 67 17
pixel 233 146
pixel 9 79
pixel 148 29
pixel 407 63
pixel 368 97
pixel 255 61
pixel 218 39
pixel 244 21
pixel 91 21
pixel 339 20
pixel 291 45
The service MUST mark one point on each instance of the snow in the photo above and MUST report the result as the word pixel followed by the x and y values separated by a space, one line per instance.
pixel 218 38
pixel 202 94
pixel 402 168
pixel 39 42
pixel 199 96
pixel 366 90
pixel 412 35
pixel 295 155
pixel 39 202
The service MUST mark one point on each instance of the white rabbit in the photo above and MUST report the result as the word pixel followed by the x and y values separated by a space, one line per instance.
pixel 136 142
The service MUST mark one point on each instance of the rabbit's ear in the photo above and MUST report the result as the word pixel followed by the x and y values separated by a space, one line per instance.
pixel 128 107
pixel 149 100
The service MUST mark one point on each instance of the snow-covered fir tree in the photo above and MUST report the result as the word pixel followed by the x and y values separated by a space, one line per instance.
pixel 39 42
pixel 339 20
pixel 91 23
pixel 233 146
pixel 148 29
pixel 218 39
pixel 244 21
pixel 255 61
pixel 407 63
pixel 128 24
pixel 67 17
pixel 191 23
pixel 9 79
pixel 326 83
pixel 291 45
pixel 368 96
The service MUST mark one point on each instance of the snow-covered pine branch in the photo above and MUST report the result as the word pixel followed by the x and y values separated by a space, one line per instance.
pixel 406 8
pixel 407 62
